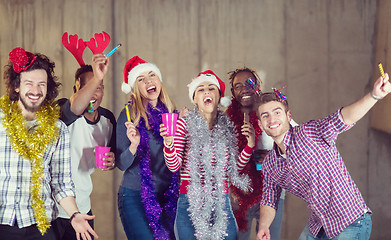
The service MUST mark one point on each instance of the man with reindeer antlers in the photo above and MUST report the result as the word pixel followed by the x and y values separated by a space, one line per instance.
pixel 89 124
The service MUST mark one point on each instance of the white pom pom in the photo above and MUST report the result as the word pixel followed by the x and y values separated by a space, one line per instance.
pixel 126 88
pixel 225 101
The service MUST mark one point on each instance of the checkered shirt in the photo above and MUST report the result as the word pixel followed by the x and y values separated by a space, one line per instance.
pixel 314 171
pixel 15 172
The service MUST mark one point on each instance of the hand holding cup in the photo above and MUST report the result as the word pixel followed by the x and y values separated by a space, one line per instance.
pixel 168 140
pixel 100 153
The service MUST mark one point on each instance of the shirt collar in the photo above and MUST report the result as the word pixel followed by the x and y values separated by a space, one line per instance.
pixel 286 141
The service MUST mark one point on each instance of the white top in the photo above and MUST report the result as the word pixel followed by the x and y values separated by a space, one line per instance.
pixel 85 135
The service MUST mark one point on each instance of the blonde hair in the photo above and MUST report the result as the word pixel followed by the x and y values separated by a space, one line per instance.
pixel 138 109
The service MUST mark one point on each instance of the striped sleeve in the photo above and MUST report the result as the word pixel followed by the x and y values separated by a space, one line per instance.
pixel 244 157
pixel 174 156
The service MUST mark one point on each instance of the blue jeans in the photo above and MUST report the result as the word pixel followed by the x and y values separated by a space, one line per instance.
pixel 275 227
pixel 184 229
pixel 132 213
pixel 358 230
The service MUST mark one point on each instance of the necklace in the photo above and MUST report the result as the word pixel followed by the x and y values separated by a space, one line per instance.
pixel 31 145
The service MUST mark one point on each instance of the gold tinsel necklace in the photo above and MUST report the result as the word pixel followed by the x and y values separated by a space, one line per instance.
pixel 32 145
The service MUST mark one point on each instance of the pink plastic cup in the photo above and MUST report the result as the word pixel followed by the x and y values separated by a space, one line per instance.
pixel 99 155
pixel 169 121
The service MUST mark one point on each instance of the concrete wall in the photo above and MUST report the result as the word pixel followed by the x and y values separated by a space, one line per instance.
pixel 322 50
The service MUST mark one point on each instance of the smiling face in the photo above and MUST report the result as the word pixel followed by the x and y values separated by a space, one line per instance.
pixel 242 91
pixel 207 97
pixel 274 119
pixel 149 86
pixel 32 90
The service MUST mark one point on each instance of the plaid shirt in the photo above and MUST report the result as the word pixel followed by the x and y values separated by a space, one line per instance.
pixel 314 171
pixel 15 171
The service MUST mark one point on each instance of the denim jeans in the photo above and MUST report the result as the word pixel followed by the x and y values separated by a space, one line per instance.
pixel 184 228
pixel 132 213
pixel 358 230
pixel 275 227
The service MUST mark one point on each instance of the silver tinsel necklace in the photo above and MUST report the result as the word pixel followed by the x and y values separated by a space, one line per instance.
pixel 212 156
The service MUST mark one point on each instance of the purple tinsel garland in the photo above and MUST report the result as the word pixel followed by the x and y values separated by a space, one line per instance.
pixel 152 207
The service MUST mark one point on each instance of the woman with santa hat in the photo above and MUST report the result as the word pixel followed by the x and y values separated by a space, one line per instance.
pixel 148 193
pixel 204 151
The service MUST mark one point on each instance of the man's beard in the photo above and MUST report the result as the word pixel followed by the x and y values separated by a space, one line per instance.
pixel 31 108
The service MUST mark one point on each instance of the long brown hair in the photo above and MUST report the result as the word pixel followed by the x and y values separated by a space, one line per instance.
pixel 138 109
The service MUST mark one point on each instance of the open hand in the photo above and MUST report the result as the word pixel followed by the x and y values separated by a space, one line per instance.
pixel 82 228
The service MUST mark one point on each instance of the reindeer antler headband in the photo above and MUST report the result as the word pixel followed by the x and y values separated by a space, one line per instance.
pixel 76 45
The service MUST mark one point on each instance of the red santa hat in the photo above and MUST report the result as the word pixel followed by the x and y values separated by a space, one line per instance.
pixel 133 68
pixel 209 76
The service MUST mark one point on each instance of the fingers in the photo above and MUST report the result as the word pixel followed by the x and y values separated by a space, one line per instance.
pixel 386 85
pixel 247 129
pixel 86 236
pixel 183 113
pixel 249 132
pixel 93 233
pixel 163 130
pixel 131 132
pixel 131 129
pixel 110 161
pixel 129 124
pixel 382 87
pixel 99 58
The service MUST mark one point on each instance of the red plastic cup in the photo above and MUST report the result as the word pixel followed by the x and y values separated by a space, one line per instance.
pixel 100 154
pixel 169 121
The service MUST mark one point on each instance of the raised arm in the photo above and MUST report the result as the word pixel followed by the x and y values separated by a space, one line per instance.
pixel 355 111
pixel 128 139
pixel 81 98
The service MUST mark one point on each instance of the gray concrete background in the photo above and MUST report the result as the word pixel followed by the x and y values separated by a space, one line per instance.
pixel 324 51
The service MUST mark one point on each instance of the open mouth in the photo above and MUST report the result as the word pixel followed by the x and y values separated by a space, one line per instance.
pixel 93 101
pixel 151 89
pixel 34 98
pixel 208 100
pixel 245 97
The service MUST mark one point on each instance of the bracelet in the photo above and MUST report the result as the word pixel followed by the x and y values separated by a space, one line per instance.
pixel 170 146
pixel 374 97
pixel 73 216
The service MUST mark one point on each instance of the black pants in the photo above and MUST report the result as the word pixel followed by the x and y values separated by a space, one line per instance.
pixel 63 228
pixel 27 233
